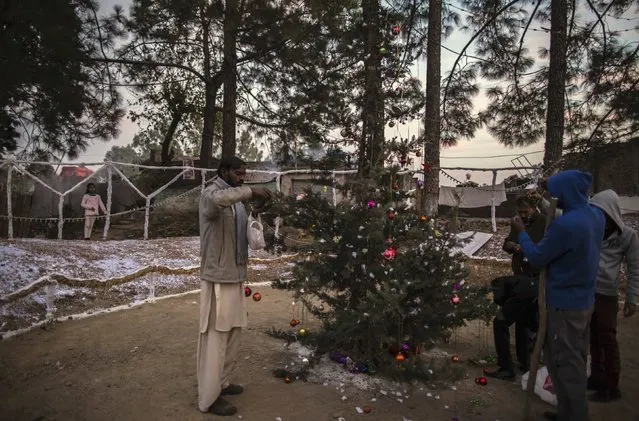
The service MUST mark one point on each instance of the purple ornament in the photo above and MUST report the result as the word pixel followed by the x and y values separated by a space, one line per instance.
pixel 457 286
pixel 405 348
pixel 420 183
pixel 360 368
pixel 338 357
pixel 371 204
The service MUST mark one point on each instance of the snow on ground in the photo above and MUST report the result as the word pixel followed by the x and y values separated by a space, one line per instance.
pixel 23 261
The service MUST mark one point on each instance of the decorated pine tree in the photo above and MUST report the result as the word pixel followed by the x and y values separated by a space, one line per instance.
pixel 386 281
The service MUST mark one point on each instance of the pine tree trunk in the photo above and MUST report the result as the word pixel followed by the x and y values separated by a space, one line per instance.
pixel 210 92
pixel 168 138
pixel 208 130
pixel 229 69
pixel 432 126
pixel 371 153
pixel 556 83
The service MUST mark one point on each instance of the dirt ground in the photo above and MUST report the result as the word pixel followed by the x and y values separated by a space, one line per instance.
pixel 139 365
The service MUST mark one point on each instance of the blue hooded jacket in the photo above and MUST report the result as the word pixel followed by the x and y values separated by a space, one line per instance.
pixel 572 244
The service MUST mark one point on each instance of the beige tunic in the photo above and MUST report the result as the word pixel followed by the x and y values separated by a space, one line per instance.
pixel 230 306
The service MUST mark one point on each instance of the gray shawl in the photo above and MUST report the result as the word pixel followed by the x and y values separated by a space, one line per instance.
pixel 241 224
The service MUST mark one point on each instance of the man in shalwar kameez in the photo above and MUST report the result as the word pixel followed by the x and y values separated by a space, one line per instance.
pixel 224 257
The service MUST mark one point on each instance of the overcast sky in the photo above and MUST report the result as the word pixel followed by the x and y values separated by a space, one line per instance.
pixel 468 153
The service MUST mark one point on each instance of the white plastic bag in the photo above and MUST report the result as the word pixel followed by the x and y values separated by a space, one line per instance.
pixel 255 233
pixel 543 385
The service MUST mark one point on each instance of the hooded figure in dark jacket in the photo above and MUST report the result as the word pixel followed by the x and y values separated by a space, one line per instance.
pixel 620 243
pixel 570 251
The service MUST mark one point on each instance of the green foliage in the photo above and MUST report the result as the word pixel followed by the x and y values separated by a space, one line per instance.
pixel 371 299
pixel 602 71
pixel 247 149
pixel 55 97
pixel 126 154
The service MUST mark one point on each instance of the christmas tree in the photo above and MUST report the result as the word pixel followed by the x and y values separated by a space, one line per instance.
pixel 385 281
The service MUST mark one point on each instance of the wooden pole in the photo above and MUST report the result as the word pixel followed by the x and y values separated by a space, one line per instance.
pixel 9 202
pixel 493 219
pixel 109 204
pixel 543 322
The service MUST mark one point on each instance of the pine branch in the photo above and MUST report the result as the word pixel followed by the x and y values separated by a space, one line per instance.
pixel 521 45
pixel 149 64
pixel 468 44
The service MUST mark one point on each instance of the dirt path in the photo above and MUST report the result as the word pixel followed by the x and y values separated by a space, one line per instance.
pixel 139 365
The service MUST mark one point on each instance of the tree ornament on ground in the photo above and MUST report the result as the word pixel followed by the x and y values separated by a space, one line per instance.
pixel 396 30
pixel 303 332
pixel 400 357
pixel 454 300
pixel 257 296
pixel 294 322
pixel 391 215
pixel 247 291
pixel 481 381
pixel 455 358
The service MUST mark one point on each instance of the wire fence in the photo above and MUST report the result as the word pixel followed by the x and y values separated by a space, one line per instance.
pixel 116 170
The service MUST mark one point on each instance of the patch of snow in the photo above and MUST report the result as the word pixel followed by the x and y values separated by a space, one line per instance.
pixel 114 266
pixel 258 267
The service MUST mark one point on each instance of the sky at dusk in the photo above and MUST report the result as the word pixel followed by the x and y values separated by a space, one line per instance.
pixel 468 153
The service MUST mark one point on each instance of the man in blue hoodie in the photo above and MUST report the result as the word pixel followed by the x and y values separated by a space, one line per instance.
pixel 570 250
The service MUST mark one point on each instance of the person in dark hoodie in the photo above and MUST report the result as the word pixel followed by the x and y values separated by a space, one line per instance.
pixel 620 243
pixel 517 296
pixel 570 250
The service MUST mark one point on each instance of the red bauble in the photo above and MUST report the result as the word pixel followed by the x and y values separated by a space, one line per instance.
pixel 390 254
pixel 294 322
pixel 418 154
pixel 399 358
pixel 396 30
pixel 454 300
pixel 391 215
pixel 481 381
pixel 247 291
pixel 257 296
pixel 455 358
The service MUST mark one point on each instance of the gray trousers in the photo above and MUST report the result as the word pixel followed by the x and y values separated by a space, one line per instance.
pixel 566 357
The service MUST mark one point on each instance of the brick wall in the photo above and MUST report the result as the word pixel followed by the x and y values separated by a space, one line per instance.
pixel 614 166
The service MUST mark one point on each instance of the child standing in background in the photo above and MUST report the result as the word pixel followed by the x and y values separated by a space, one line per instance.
pixel 90 202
